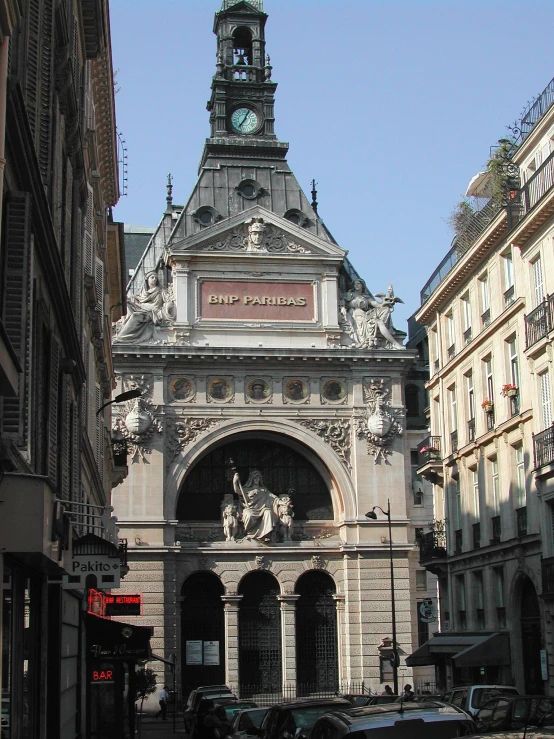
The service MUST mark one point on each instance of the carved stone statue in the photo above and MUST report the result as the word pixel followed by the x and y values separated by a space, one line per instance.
pixel 286 516
pixel 256 234
pixel 366 320
pixel 260 506
pixel 230 522
pixel 153 307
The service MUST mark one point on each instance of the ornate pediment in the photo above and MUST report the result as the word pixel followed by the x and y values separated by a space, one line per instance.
pixel 256 236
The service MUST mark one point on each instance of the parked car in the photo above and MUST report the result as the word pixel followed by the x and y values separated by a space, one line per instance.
pixel 357 700
pixel 195 696
pixel 381 700
pixel 471 697
pixel 433 720
pixel 505 713
pixel 231 708
pixel 295 719
pixel 247 723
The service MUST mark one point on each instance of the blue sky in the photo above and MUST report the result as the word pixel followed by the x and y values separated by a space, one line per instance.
pixel 391 105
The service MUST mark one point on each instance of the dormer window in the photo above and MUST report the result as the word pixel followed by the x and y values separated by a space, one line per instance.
pixel 242 47
pixel 297 217
pixel 205 215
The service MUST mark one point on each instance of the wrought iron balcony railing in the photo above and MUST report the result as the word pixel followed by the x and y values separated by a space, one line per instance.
pixel 521 521
pixel 432 545
pixel 547 568
pixel 454 441
pixel 467 336
pixel 538 323
pixel 471 430
pixel 536 110
pixel 429 450
pixel 496 526
pixel 543 447
pixel 476 529
pixel 486 317
pixel 532 192
pixel 458 541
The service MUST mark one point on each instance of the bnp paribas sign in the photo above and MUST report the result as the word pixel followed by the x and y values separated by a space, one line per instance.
pixel 98 571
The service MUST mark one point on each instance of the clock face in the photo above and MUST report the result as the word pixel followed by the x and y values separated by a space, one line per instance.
pixel 244 120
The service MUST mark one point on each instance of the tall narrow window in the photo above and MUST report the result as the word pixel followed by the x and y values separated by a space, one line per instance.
pixel 498 574
pixel 466 313
pixel 476 494
pixel 457 506
pixel 479 599
pixel 546 399
pixel 489 381
pixel 485 299
pixel 451 333
pixel 470 407
pixel 461 598
pixel 513 361
pixel 538 286
pixel 509 290
pixel 453 408
pixel 495 484
pixel 520 477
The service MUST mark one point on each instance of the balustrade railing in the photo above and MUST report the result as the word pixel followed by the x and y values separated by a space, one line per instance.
pixel 543 447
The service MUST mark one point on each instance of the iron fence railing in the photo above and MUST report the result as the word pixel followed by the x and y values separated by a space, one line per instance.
pixel 476 530
pixel 521 521
pixel 543 447
pixel 496 526
pixel 536 109
pixel 532 192
pixel 539 322
pixel 264 697
pixel 429 450
pixel 461 243
pixel 547 569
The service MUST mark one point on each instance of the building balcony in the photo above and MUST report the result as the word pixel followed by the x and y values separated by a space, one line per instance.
pixel 430 459
pixel 521 521
pixel 471 430
pixel 547 570
pixel 458 541
pixel 432 549
pixel 533 191
pixel 476 531
pixel 539 322
pixel 543 452
pixel 496 528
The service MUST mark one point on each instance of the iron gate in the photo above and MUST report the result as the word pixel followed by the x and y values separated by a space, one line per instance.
pixel 316 634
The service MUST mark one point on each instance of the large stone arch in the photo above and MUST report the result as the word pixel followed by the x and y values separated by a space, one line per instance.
pixel 319 453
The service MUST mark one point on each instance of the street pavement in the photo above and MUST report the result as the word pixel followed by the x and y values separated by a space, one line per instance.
pixel 152 729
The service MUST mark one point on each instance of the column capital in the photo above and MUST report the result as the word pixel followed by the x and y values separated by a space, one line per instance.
pixel 288 600
pixel 231 602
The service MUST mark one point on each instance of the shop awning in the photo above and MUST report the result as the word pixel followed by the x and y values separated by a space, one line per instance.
pixel 109 640
pixel 467 650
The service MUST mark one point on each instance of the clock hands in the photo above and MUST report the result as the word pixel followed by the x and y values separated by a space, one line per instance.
pixel 244 119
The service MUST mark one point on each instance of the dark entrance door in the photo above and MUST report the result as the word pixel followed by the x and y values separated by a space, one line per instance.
pixel 259 635
pixel 316 634
pixel 202 621
pixel 531 639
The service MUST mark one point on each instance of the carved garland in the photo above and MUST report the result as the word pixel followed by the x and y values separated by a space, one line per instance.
pixel 336 433
pixel 274 241
pixel 180 433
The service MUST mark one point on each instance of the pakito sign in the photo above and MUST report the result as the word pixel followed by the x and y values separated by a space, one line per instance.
pixel 122 605
pixel 105 569
pixel 242 300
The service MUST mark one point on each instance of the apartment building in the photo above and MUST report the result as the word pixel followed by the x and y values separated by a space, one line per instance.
pixel 488 309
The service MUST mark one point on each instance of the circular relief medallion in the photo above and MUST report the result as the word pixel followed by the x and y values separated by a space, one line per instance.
pixel 334 391
pixel 258 390
pixel 296 390
pixel 181 388
pixel 219 389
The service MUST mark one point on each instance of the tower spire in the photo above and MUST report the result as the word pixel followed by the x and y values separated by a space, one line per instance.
pixel 314 196
pixel 169 197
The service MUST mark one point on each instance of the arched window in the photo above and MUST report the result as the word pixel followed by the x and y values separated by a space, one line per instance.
pixel 283 469
pixel 242 47
pixel 412 400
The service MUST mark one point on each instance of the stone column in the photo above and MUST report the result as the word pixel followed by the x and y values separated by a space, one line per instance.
pixel 181 290
pixel 231 605
pixel 341 632
pixel 288 638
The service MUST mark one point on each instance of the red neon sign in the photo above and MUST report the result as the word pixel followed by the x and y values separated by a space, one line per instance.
pixel 102 676
pixel 124 604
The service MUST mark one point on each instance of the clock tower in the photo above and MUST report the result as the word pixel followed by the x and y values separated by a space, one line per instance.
pixel 243 95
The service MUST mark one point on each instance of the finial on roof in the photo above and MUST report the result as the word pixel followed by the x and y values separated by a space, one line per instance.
pixel 169 198
pixel 314 196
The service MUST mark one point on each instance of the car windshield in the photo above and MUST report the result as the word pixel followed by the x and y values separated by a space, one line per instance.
pixel 482 695
pixel 231 709
pixel 305 718
pixel 414 729
pixel 252 719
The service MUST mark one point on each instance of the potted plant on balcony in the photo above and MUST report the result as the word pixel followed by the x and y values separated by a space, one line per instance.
pixel 487 405
pixel 509 390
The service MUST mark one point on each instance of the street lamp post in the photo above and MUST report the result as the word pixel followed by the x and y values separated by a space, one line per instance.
pixel 394 658
pixel 121 398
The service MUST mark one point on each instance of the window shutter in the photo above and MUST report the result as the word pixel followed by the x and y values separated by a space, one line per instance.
pixel 75 58
pixel 537 281
pixel 91 410
pixel 77 265
pixel 89 232
pixel 76 454
pixel 32 61
pixel 66 457
pixel 99 435
pixel 15 305
pixel 53 405
pixel 99 286
pixel 546 400
pixel 46 74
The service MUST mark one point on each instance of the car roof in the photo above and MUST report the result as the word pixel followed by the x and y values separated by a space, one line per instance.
pixel 497 687
pixel 430 711
pixel 301 702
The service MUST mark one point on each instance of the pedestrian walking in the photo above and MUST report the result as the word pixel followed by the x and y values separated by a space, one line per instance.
pixel 163 698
